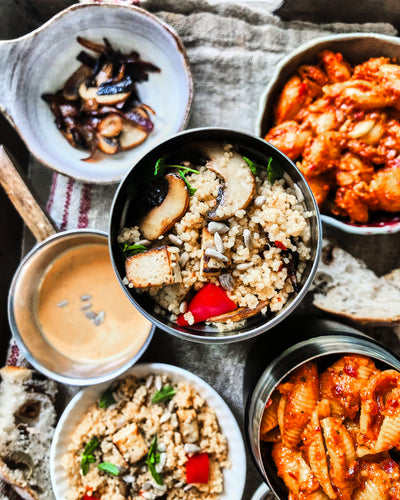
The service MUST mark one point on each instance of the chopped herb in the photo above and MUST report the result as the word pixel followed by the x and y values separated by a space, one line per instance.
pixel 191 189
pixel 130 250
pixel 273 171
pixel 165 394
pixel 87 455
pixel 161 166
pixel 254 167
pixel 153 458
pixel 109 467
pixel 107 399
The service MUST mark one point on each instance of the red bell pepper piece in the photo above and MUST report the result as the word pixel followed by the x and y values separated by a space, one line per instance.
pixel 87 497
pixel 280 245
pixel 209 301
pixel 198 468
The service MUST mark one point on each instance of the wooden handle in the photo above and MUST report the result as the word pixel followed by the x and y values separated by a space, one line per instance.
pixel 16 185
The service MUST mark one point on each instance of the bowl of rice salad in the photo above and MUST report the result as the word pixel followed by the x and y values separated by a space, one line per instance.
pixel 214 235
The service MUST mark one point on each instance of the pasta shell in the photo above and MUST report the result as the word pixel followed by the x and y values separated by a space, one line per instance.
pixel 369 491
pixel 300 396
pixel 314 451
pixel 389 434
pixel 270 416
pixel 342 382
pixel 342 456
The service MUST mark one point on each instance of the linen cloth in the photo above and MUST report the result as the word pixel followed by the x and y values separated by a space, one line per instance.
pixel 233 50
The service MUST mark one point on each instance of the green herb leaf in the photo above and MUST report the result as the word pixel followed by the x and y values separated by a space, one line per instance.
pixel 254 167
pixel 191 189
pixel 153 458
pixel 107 399
pixel 274 171
pixel 165 394
pixel 109 467
pixel 160 167
pixel 87 455
pixel 91 446
pixel 130 250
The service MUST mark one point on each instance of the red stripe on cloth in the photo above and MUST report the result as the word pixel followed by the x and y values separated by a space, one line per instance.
pixel 86 201
pixel 14 355
pixel 68 195
pixel 52 193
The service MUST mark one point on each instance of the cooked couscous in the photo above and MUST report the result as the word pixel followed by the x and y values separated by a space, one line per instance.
pixel 145 439
pixel 243 230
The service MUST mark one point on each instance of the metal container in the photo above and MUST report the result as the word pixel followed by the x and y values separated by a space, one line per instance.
pixel 24 327
pixel 26 282
pixel 248 145
pixel 324 350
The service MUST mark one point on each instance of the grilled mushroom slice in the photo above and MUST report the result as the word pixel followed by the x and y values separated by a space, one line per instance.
pixel 238 184
pixel 239 314
pixel 171 209
pixel 110 125
pixel 108 145
pixel 71 87
pixel 131 136
pixel 87 93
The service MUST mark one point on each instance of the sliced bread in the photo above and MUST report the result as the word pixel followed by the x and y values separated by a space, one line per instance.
pixel 345 286
pixel 27 420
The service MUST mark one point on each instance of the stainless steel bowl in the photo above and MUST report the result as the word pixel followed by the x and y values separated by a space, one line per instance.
pixel 23 323
pixel 253 147
pixel 323 350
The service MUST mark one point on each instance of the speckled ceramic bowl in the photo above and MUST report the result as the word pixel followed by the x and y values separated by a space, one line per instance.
pixel 356 48
pixel 42 61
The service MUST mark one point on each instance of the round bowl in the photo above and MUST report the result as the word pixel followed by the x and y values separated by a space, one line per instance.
pixel 324 350
pixel 22 303
pixel 252 147
pixel 356 48
pixel 43 60
pixel 234 477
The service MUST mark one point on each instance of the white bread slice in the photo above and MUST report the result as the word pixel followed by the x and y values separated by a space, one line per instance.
pixel 27 419
pixel 155 267
pixel 344 286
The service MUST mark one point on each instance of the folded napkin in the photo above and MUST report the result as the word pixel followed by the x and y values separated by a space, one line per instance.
pixel 233 49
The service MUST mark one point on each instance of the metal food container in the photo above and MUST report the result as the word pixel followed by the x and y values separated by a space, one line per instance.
pixel 248 145
pixel 323 349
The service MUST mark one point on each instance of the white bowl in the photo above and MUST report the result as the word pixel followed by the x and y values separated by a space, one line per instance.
pixel 234 477
pixel 356 48
pixel 43 60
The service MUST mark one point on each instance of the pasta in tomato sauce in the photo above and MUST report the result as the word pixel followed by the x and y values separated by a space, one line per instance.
pixel 334 434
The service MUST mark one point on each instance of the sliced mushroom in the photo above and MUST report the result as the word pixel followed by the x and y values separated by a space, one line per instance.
pixel 88 93
pixel 104 74
pixel 20 460
pixel 239 314
pixel 110 126
pixel 238 184
pixel 171 209
pixel 131 136
pixel 108 145
pixel 71 87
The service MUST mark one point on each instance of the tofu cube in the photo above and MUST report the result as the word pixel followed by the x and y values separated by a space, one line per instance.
pixel 130 443
pixel 156 267
pixel 188 425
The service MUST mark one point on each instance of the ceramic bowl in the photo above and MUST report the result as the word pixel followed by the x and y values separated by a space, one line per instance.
pixel 41 62
pixel 234 477
pixel 252 147
pixel 356 48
